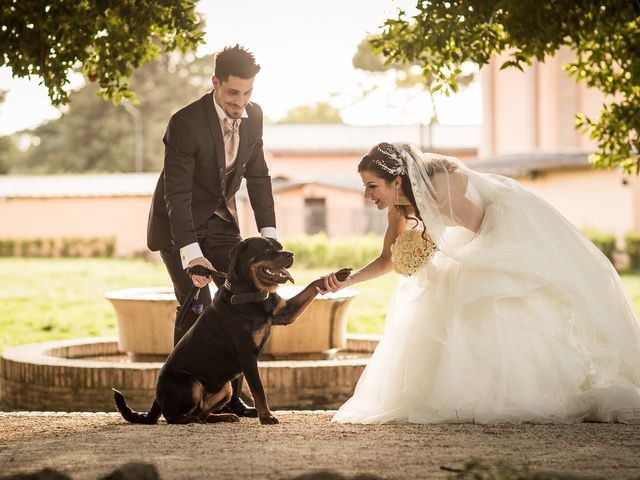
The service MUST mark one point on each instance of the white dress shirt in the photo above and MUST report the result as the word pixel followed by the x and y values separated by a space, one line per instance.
pixel 193 250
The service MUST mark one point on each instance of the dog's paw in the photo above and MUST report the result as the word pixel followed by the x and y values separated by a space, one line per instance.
pixel 343 274
pixel 222 417
pixel 268 420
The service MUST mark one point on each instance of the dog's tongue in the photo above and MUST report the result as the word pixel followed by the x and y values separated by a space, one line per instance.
pixel 285 273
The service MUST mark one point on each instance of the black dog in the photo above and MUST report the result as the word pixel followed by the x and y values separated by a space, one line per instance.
pixel 226 340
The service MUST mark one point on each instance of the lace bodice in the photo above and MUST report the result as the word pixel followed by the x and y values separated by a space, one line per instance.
pixel 410 251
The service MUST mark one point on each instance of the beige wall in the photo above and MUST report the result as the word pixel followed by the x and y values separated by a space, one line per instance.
pixel 123 217
pixel 312 165
pixel 602 199
pixel 325 165
pixel 344 211
pixel 534 109
pixel 126 217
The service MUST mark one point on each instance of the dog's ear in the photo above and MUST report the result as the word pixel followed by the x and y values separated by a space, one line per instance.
pixel 234 255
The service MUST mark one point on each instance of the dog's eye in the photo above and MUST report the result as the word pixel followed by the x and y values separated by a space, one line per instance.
pixel 268 250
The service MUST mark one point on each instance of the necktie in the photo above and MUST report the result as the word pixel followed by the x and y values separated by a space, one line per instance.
pixel 231 143
pixel 231 140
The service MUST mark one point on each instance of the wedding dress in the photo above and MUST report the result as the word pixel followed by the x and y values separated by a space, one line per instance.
pixel 522 321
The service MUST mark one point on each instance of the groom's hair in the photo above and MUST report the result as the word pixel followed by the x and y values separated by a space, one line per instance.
pixel 236 61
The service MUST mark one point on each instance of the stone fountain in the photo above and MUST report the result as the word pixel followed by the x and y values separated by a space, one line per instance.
pixel 311 364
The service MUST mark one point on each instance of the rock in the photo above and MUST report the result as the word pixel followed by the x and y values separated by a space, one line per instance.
pixel 44 474
pixel 134 471
pixel 329 475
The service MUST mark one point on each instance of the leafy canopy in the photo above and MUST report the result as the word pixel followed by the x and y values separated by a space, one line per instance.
pixel 319 112
pixel 108 39
pixel 94 136
pixel 604 35
pixel 406 76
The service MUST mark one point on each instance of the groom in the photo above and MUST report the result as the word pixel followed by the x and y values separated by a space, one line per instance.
pixel 210 145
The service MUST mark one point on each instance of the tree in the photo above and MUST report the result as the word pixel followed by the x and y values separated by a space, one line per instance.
pixel 6 146
pixel 368 59
pixel 445 33
pixel 93 135
pixel 7 150
pixel 321 112
pixel 107 39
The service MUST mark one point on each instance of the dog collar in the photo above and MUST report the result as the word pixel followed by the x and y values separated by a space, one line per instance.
pixel 249 297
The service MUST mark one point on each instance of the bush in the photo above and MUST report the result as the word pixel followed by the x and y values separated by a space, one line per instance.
pixel 319 251
pixel 62 247
pixel 606 242
pixel 632 249
pixel 7 247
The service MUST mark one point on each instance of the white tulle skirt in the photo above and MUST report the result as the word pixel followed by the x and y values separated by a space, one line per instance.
pixel 512 330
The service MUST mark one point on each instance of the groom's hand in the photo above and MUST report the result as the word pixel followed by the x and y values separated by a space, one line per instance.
pixel 334 281
pixel 198 280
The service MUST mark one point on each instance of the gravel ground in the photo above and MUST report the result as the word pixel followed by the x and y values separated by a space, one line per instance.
pixel 91 445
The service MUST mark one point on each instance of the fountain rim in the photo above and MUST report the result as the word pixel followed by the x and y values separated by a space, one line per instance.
pixel 287 291
pixel 39 354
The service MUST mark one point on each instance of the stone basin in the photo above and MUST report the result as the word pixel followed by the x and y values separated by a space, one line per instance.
pixel 77 375
pixel 145 318
pixel 310 364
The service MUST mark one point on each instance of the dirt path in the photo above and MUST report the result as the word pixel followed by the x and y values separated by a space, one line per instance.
pixel 88 446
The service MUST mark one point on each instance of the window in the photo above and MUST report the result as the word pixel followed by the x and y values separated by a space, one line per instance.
pixel 315 215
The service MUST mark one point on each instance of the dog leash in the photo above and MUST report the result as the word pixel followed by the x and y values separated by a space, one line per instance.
pixel 202 271
pixel 236 298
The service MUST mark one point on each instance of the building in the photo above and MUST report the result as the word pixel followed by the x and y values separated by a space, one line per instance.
pixel 528 132
pixel 315 183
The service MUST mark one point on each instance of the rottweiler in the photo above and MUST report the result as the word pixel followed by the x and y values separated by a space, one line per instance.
pixel 227 339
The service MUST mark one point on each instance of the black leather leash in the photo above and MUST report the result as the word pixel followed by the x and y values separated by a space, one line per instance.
pixel 201 271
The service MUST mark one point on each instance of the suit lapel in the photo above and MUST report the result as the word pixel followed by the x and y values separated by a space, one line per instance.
pixel 216 132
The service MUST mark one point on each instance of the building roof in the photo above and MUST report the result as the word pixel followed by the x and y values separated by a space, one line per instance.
pixel 527 164
pixel 143 184
pixel 351 182
pixel 128 185
pixel 78 185
pixel 338 137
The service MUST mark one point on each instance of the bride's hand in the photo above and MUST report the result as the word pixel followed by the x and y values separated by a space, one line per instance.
pixel 332 284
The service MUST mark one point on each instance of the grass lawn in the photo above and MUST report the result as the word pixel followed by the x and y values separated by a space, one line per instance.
pixel 43 299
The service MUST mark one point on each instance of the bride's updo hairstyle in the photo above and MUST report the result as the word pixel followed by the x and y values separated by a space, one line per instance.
pixel 385 160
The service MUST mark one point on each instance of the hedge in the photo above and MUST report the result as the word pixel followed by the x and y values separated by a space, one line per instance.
pixel 632 249
pixel 60 247
pixel 319 251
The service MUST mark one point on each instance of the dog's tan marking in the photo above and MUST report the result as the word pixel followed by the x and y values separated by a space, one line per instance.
pixel 260 336
pixel 280 306
pixel 216 400
pixel 222 417
pixel 196 392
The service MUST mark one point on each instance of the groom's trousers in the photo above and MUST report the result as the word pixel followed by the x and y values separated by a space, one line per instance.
pixel 216 239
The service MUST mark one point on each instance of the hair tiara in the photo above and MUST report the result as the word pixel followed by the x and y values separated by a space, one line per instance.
pixel 394 153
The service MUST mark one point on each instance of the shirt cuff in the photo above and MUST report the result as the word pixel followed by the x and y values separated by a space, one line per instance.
pixel 189 252
pixel 269 232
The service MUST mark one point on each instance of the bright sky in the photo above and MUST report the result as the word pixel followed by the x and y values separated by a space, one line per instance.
pixel 305 49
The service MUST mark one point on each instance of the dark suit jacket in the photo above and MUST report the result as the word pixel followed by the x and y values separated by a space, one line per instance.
pixel 192 183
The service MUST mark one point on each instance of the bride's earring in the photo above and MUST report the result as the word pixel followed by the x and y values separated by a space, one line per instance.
pixel 397 195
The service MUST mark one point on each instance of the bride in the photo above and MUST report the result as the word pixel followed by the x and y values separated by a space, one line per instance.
pixel 505 312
